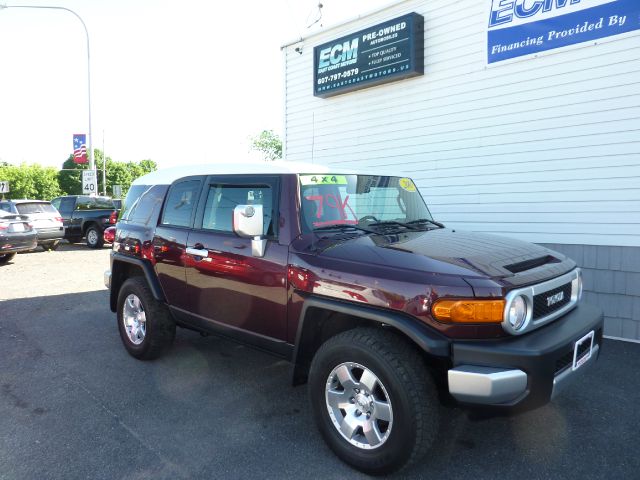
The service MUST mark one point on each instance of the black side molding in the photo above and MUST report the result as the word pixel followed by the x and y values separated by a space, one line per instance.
pixel 427 339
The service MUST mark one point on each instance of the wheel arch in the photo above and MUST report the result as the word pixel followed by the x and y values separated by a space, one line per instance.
pixel 124 267
pixel 321 319
pixel 88 224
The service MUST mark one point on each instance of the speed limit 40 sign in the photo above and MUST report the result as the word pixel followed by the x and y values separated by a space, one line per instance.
pixel 89 182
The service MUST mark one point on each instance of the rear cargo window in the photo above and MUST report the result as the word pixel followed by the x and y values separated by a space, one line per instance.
pixel 35 207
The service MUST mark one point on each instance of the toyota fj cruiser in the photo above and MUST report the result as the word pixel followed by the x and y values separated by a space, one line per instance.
pixel 381 309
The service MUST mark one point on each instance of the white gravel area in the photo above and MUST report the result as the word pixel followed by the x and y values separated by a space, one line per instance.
pixel 70 269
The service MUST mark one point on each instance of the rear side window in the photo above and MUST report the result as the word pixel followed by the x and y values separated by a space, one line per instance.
pixel 6 207
pixel 146 208
pixel 134 193
pixel 222 199
pixel 180 204
pixel 66 205
pixel 35 207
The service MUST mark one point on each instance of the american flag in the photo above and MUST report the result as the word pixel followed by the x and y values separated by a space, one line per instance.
pixel 79 148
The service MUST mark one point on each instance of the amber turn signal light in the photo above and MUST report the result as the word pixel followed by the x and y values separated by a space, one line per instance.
pixel 468 311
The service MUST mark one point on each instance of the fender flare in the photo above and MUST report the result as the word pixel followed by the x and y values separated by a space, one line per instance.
pixel 426 338
pixel 149 274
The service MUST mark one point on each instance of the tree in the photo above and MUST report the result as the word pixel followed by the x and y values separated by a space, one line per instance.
pixel 30 181
pixel 118 173
pixel 268 142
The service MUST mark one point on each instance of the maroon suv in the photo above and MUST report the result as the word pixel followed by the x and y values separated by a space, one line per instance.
pixel 381 309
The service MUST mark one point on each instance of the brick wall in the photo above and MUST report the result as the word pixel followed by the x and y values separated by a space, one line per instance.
pixel 612 281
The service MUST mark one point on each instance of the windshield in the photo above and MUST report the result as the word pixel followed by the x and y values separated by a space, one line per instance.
pixel 364 200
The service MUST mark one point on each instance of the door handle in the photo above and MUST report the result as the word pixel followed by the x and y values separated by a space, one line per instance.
pixel 197 252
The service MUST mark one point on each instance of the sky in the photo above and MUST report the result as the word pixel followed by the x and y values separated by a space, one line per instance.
pixel 176 82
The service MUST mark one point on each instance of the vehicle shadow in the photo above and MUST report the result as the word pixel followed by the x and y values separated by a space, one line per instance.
pixel 210 408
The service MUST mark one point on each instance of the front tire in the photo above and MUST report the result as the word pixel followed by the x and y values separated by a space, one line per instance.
pixel 145 325
pixel 94 238
pixel 373 400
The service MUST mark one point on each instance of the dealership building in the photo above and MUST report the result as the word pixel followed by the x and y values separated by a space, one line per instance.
pixel 518 118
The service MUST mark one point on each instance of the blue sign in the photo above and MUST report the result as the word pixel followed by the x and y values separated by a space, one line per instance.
pixel 524 27
pixel 386 52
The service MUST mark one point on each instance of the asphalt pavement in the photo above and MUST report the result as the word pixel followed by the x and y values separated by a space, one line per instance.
pixel 75 405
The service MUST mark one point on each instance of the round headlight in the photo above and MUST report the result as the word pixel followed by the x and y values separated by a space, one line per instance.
pixel 517 312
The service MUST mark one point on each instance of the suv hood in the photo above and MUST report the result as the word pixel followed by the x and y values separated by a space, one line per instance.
pixel 449 252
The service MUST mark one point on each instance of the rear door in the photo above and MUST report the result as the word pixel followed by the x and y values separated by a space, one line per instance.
pixel 229 286
pixel 170 238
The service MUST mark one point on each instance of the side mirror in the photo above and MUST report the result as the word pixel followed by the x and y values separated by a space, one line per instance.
pixel 248 221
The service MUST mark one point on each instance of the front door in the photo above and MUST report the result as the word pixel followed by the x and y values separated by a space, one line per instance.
pixel 227 285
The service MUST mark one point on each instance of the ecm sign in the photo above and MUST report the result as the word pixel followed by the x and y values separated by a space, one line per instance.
pixel 386 52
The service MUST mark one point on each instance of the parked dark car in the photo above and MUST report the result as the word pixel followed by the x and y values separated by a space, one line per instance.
pixel 43 216
pixel 381 309
pixel 86 216
pixel 16 235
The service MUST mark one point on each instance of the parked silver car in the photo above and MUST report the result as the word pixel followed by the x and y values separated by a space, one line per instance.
pixel 44 217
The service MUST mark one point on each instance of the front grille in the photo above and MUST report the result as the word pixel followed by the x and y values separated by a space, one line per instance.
pixel 541 307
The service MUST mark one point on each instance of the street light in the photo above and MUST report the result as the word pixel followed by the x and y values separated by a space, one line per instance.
pixel 91 161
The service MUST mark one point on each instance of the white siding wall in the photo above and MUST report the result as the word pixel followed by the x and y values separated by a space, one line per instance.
pixel 545 149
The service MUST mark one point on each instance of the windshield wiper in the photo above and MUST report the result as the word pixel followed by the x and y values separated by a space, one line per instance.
pixel 342 227
pixel 426 220
pixel 386 223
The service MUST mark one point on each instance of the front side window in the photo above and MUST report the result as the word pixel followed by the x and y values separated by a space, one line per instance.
pixel 329 200
pixel 180 204
pixel 222 199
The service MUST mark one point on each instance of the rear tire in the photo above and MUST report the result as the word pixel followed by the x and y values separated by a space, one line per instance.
pixel 94 237
pixel 373 400
pixel 6 258
pixel 50 246
pixel 145 325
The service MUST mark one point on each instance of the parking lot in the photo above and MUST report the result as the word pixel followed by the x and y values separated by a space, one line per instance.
pixel 74 404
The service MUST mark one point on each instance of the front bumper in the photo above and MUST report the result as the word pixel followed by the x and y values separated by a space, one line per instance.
pixel 525 371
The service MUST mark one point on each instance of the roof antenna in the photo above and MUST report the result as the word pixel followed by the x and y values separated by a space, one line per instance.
pixel 319 16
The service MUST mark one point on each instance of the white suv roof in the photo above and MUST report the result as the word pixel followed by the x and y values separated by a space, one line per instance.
pixel 167 176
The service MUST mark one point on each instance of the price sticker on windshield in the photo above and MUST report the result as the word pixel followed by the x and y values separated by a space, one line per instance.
pixel 323 179
pixel 407 184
